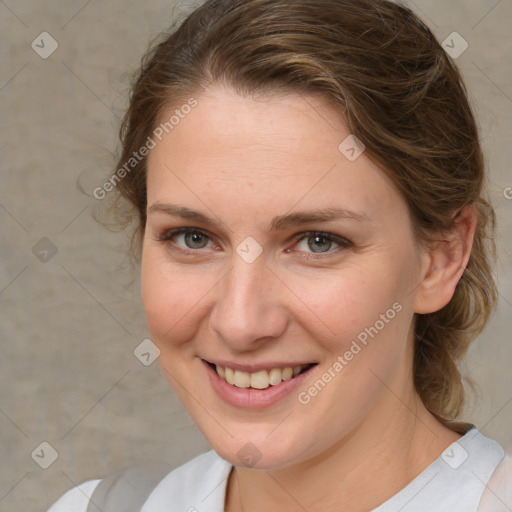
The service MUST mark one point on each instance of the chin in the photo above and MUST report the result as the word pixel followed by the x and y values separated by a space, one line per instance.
pixel 246 449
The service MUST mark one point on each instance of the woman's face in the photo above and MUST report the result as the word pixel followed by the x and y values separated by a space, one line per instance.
pixel 298 252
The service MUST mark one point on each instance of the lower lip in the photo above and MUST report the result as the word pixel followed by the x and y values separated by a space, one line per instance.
pixel 251 398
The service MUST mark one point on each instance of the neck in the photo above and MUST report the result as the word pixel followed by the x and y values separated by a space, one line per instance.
pixel 385 452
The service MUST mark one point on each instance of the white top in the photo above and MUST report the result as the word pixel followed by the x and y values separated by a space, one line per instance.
pixel 472 475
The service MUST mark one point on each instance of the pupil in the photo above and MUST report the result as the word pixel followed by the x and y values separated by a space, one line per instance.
pixel 195 240
pixel 319 242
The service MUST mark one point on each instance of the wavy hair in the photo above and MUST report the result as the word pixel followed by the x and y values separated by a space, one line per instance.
pixel 399 92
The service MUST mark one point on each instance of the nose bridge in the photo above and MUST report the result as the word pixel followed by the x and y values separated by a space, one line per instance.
pixel 247 306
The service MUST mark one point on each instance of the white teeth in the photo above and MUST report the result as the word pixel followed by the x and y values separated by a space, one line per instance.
pixel 242 379
pixel 230 375
pixel 258 380
pixel 275 376
pixel 287 373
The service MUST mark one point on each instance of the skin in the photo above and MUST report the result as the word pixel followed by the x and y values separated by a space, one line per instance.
pixel 244 161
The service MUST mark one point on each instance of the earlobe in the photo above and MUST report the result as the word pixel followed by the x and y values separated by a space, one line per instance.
pixel 445 263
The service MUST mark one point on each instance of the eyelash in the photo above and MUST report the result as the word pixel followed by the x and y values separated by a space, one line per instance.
pixel 167 236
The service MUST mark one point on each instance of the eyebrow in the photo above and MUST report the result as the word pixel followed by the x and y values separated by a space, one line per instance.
pixel 279 223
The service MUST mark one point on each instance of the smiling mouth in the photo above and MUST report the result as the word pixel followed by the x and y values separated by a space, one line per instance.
pixel 262 379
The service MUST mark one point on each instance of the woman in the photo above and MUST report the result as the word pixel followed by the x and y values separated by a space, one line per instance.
pixel 316 258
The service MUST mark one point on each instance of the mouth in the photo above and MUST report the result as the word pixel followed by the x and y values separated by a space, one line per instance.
pixel 261 379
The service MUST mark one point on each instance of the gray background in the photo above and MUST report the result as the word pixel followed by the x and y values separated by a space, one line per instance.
pixel 69 325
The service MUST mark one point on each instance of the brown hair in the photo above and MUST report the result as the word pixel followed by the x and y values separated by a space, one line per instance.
pixel 380 65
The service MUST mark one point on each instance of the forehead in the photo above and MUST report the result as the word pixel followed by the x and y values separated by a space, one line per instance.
pixel 279 149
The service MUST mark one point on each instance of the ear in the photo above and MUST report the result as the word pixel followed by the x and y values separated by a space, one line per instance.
pixel 444 264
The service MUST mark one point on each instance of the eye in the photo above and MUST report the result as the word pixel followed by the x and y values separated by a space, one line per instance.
pixel 319 242
pixel 186 238
pixel 314 243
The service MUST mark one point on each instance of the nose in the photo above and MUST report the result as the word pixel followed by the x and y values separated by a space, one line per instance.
pixel 249 310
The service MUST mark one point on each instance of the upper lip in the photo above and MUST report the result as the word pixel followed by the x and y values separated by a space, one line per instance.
pixel 256 367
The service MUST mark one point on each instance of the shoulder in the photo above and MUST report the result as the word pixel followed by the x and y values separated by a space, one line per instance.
pixel 458 480
pixel 181 486
pixel 465 469
pixel 497 496
pixel 200 484
pixel 76 499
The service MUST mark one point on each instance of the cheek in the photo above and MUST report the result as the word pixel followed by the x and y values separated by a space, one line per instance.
pixel 173 299
pixel 344 304
pixel 362 322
